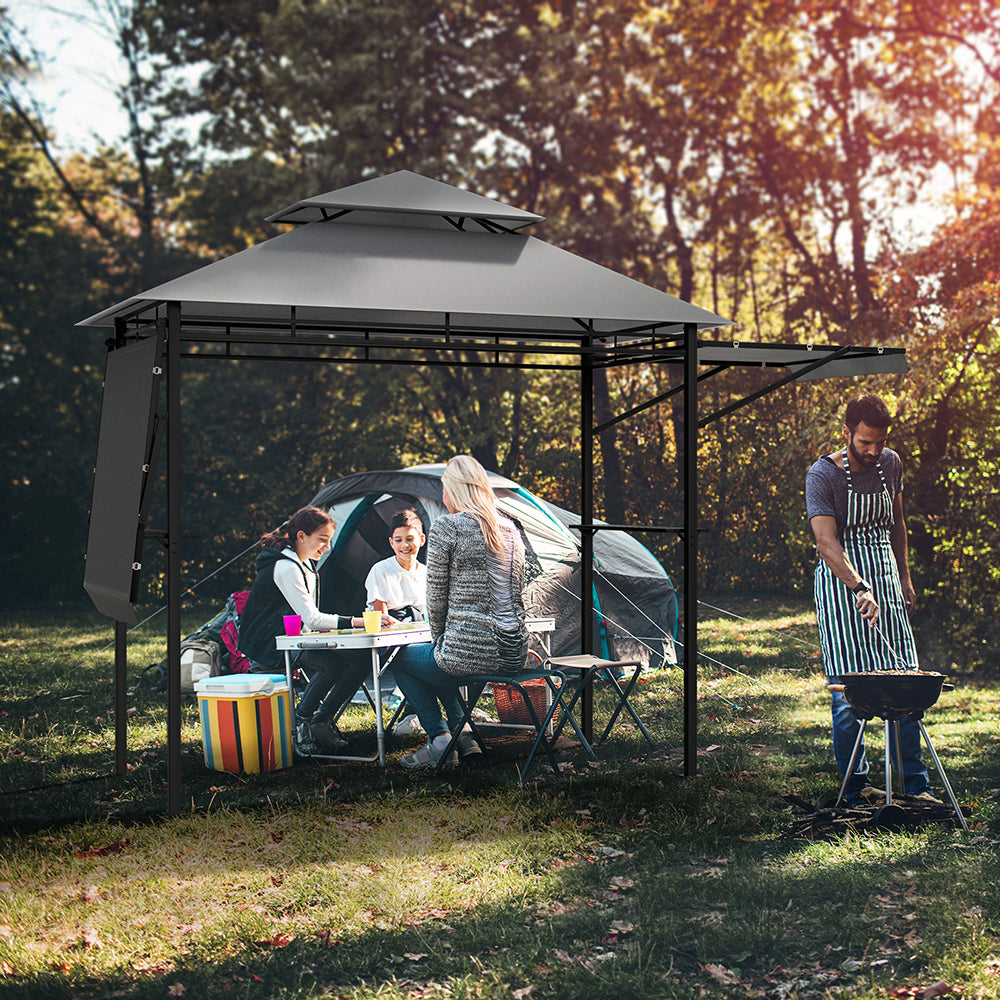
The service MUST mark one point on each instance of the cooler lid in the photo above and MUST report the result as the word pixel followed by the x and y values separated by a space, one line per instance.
pixel 237 685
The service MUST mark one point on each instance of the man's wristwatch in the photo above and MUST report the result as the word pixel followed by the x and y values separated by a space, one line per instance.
pixel 860 588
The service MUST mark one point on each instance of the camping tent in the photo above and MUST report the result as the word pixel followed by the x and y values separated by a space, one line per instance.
pixel 633 598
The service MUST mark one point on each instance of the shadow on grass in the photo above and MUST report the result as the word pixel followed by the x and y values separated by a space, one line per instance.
pixel 664 915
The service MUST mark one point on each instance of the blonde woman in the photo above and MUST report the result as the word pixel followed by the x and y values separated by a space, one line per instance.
pixel 475 580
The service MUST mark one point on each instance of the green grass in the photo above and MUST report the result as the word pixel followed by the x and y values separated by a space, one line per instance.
pixel 616 878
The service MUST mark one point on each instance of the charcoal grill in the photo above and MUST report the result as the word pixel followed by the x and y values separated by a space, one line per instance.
pixel 892 695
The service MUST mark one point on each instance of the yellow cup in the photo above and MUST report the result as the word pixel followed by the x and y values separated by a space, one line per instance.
pixel 373 621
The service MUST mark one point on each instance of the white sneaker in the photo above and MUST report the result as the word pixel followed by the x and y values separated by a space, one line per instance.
pixel 409 725
pixel 429 755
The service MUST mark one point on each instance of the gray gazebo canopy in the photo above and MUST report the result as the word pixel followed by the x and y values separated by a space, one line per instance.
pixel 400 266
pixel 360 260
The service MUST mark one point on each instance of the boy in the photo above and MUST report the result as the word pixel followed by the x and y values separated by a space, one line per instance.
pixel 398 585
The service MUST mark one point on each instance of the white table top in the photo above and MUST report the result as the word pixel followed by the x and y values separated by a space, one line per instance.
pixel 400 634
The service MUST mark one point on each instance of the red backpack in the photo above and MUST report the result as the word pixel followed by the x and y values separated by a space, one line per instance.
pixel 229 633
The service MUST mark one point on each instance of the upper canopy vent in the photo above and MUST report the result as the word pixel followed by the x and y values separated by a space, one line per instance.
pixel 407 199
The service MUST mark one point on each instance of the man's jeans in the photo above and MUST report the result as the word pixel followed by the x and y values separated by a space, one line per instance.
pixel 845 733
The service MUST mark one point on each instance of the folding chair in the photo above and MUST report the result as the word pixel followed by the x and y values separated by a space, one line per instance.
pixel 555 681
pixel 591 667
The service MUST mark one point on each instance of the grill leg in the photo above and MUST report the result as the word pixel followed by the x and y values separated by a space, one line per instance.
pixel 899 757
pixel 888 766
pixel 944 779
pixel 855 753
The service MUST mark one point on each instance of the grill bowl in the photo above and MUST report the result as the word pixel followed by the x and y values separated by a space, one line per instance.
pixel 900 692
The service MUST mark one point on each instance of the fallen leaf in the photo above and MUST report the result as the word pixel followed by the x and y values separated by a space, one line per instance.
pixel 91 894
pixel 553 909
pixel 622 882
pixel 622 927
pixel 721 974
pixel 176 990
pixel 414 956
pixel 101 852
pixel 91 939
pixel 521 994
pixel 611 852
pixel 939 989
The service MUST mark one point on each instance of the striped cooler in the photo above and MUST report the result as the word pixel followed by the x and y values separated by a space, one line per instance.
pixel 246 722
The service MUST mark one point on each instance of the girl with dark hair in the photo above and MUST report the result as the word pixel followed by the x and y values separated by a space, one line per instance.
pixel 287 583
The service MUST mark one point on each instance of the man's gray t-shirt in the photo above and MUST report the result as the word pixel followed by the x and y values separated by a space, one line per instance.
pixel 826 485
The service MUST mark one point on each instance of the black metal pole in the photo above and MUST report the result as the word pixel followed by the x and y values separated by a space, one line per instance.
pixel 121 652
pixel 173 558
pixel 121 697
pixel 690 548
pixel 586 532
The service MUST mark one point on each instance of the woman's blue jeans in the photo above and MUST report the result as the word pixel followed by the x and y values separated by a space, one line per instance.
pixel 424 684
pixel 845 733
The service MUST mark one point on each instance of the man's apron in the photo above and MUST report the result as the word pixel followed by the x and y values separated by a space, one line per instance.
pixel 849 643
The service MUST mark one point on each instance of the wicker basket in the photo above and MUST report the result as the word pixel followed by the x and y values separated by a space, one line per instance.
pixel 510 706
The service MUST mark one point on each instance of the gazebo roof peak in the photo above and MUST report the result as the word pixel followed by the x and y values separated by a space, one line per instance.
pixel 405 198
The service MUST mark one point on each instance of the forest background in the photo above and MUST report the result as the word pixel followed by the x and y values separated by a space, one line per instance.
pixel 760 159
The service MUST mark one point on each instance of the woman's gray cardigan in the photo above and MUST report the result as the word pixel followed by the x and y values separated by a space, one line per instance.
pixel 462 623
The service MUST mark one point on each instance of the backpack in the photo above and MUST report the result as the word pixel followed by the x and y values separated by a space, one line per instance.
pixel 201 658
pixel 211 650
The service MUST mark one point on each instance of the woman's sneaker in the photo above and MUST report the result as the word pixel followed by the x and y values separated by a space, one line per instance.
pixel 468 747
pixel 328 737
pixel 305 745
pixel 429 755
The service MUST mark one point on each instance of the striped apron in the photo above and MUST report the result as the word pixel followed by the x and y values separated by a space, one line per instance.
pixel 849 644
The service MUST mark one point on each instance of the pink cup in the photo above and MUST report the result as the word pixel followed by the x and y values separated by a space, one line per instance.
pixel 293 624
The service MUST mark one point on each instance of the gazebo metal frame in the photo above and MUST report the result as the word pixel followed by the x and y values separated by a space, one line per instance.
pixel 201 316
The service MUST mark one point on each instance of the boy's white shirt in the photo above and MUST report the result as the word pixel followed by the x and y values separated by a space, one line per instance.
pixel 388 581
